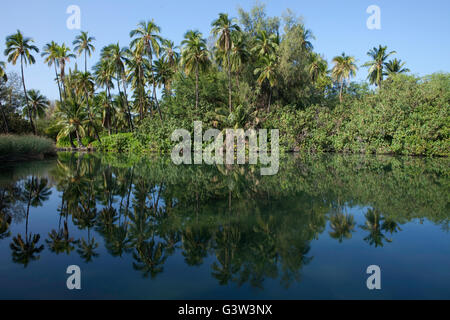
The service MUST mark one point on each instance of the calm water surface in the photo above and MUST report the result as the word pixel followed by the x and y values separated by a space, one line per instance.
pixel 143 228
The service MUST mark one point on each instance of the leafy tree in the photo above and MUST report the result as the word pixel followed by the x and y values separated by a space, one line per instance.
pixel 344 68
pixel 84 44
pixel 377 64
pixel 18 46
pixel 195 57
pixel 223 28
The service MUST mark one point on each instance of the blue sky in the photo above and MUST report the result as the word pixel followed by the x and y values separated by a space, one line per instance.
pixel 417 30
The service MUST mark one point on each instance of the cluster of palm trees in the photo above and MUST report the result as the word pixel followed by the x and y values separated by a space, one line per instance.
pixel 345 67
pixel 152 62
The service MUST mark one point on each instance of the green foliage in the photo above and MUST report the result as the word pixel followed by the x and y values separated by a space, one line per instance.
pixel 12 145
pixel 407 116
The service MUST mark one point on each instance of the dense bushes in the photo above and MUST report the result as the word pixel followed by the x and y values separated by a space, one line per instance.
pixel 17 146
pixel 407 116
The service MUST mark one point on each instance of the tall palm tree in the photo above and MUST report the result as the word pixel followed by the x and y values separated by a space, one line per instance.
pixel 163 73
pixel 377 64
pixel 85 82
pixel 344 68
pixel 18 46
pixel 63 57
pixel 104 72
pixel 50 55
pixel 4 77
pixel 395 66
pixel 38 104
pixel 267 72
pixel 195 57
pixel 116 55
pixel 170 54
pixel 222 28
pixel 239 54
pixel 148 34
pixel 137 66
pixel 84 44
pixel 306 36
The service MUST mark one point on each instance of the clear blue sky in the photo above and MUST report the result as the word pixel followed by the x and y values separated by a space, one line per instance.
pixel 418 30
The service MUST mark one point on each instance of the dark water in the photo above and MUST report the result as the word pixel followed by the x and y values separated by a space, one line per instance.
pixel 147 229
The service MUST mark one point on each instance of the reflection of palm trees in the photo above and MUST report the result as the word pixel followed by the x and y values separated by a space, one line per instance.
pixel 343 225
pixel 150 257
pixel 227 244
pixel 5 221
pixel 86 249
pixel 373 225
pixel 389 225
pixel 60 241
pixel 195 244
pixel 25 250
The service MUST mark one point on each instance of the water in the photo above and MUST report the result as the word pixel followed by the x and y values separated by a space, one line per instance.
pixel 143 228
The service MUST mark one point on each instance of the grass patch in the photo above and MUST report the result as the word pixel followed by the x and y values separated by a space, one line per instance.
pixel 26 146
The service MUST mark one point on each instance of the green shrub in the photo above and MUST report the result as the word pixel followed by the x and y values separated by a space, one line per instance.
pixel 12 145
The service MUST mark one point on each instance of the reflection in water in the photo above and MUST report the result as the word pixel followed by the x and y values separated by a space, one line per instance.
pixel 254 227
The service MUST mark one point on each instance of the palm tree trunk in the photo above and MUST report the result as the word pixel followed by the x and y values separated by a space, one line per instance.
pixel 90 117
pixel 229 83
pixel 4 119
pixel 85 61
pixel 26 97
pixel 340 91
pixel 57 81
pixel 196 87
pixel 80 143
pixel 154 97
pixel 130 121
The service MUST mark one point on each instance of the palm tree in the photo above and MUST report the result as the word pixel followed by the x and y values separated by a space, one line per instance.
pixel 306 35
pixel 163 73
pixel 318 67
pixel 239 54
pixel 116 56
pixel 137 66
pixel 395 67
pixel 148 34
pixel 265 44
pixel 222 28
pixel 4 77
pixel 104 73
pixel 85 83
pixel 50 53
pixel 83 43
pixel 169 54
pixel 377 64
pixel 19 46
pixel 267 72
pixel 38 104
pixel 72 118
pixel 63 57
pixel 195 56
pixel 344 68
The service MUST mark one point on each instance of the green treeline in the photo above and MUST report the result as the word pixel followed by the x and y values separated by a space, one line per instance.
pixel 254 71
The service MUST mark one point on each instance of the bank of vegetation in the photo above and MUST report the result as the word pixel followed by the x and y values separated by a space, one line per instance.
pixel 25 147
pixel 255 71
